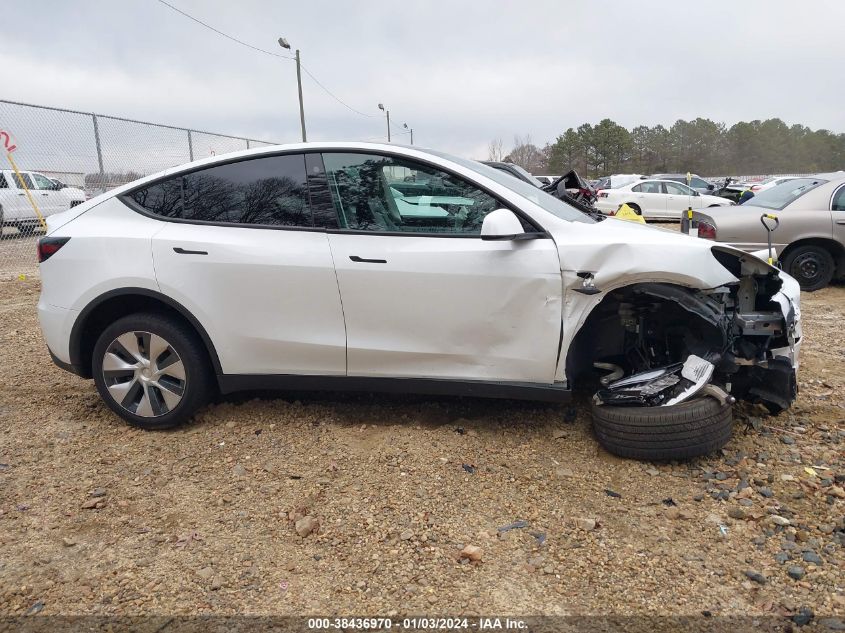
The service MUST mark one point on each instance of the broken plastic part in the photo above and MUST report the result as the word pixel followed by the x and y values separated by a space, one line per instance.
pixel 699 372
pixel 616 372
pixel 664 386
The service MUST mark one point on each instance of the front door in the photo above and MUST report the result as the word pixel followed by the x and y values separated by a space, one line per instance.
pixel 679 198
pixel 49 200
pixel 423 295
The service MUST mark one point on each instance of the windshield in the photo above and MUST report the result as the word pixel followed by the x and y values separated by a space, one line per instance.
pixel 539 197
pixel 785 193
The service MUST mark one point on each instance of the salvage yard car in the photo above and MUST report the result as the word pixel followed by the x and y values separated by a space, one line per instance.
pixel 656 199
pixel 365 266
pixel 15 208
pixel 810 237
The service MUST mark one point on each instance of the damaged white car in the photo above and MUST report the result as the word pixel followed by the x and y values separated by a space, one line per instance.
pixel 380 267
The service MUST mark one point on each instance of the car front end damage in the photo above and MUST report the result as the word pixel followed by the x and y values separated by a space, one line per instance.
pixel 658 344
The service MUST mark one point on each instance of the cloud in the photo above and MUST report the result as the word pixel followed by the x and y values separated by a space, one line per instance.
pixel 459 72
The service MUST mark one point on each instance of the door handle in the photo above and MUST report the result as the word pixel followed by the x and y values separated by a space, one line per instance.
pixel 182 251
pixel 840 221
pixel 361 260
pixel 44 194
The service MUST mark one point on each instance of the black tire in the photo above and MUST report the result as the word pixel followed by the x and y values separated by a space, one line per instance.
pixel 682 431
pixel 812 266
pixel 198 387
pixel 635 208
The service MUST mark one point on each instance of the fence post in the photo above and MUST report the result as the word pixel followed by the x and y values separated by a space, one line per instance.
pixel 190 145
pixel 99 149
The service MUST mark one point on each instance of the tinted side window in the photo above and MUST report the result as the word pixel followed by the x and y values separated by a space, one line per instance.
pixel 382 193
pixel 43 183
pixel 322 206
pixel 268 191
pixel 24 180
pixel 839 200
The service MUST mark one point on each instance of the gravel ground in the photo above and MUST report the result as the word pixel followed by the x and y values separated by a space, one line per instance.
pixel 100 518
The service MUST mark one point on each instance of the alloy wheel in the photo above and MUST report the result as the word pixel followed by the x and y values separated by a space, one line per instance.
pixel 144 374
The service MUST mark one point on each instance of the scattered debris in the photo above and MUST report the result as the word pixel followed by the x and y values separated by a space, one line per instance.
pixel 516 525
pixel 472 553
pixel 306 525
pixel 611 493
pixel 469 468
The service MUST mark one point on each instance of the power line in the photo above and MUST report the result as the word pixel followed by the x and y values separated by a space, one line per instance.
pixel 266 52
pixel 234 39
pixel 331 94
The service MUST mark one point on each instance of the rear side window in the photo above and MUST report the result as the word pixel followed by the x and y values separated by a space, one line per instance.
pixel 269 191
pixel 839 199
pixel 647 187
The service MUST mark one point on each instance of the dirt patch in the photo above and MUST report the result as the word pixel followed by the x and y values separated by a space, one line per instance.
pixel 96 517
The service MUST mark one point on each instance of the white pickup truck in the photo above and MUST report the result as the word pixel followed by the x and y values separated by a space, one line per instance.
pixel 50 196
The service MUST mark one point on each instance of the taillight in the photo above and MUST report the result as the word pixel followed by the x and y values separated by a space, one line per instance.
pixel 755 188
pixel 49 246
pixel 706 231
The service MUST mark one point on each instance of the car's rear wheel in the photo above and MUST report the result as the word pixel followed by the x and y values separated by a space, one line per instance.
pixel 152 370
pixel 635 208
pixel 680 431
pixel 812 266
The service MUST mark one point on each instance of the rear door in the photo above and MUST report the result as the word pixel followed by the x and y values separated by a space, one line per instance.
pixel 14 201
pixel 650 198
pixel 238 248
pixel 423 295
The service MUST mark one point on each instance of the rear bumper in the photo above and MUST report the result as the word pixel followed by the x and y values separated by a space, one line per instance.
pixel 56 324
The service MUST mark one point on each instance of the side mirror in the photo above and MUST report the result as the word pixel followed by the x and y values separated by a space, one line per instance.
pixel 695 193
pixel 501 224
pixel 711 187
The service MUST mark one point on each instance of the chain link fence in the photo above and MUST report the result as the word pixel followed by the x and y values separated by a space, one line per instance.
pixel 64 157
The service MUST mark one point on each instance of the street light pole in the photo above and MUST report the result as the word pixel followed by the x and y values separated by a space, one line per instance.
pixel 381 107
pixel 405 125
pixel 284 44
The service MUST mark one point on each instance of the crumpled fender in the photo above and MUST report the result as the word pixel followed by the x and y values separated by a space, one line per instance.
pixel 618 254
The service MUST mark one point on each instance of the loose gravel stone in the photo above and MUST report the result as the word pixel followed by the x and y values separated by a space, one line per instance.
pixel 368 467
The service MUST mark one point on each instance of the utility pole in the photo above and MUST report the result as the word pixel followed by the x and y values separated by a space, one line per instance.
pixel 405 125
pixel 381 107
pixel 284 44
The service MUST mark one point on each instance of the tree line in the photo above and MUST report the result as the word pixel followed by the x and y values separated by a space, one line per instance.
pixel 700 146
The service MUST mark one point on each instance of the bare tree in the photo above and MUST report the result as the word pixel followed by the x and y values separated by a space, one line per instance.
pixel 495 150
pixel 526 154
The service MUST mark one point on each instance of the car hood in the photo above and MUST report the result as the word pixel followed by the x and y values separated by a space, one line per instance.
pixel 619 253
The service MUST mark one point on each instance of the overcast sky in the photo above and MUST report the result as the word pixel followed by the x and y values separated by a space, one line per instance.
pixel 459 72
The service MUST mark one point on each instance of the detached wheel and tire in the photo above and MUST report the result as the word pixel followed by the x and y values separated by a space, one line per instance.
pixel 152 370
pixel 812 266
pixel 681 431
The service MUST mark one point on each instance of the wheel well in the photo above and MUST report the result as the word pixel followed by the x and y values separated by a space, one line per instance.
pixel 832 246
pixel 678 313
pixel 102 313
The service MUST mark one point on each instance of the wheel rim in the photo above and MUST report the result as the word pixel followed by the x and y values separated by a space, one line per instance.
pixel 144 374
pixel 808 266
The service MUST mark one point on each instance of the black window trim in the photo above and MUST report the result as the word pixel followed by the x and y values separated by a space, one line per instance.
pixel 836 190
pixel 126 198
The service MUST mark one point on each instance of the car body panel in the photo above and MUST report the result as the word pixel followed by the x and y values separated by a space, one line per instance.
pixel 448 307
pixel 294 320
